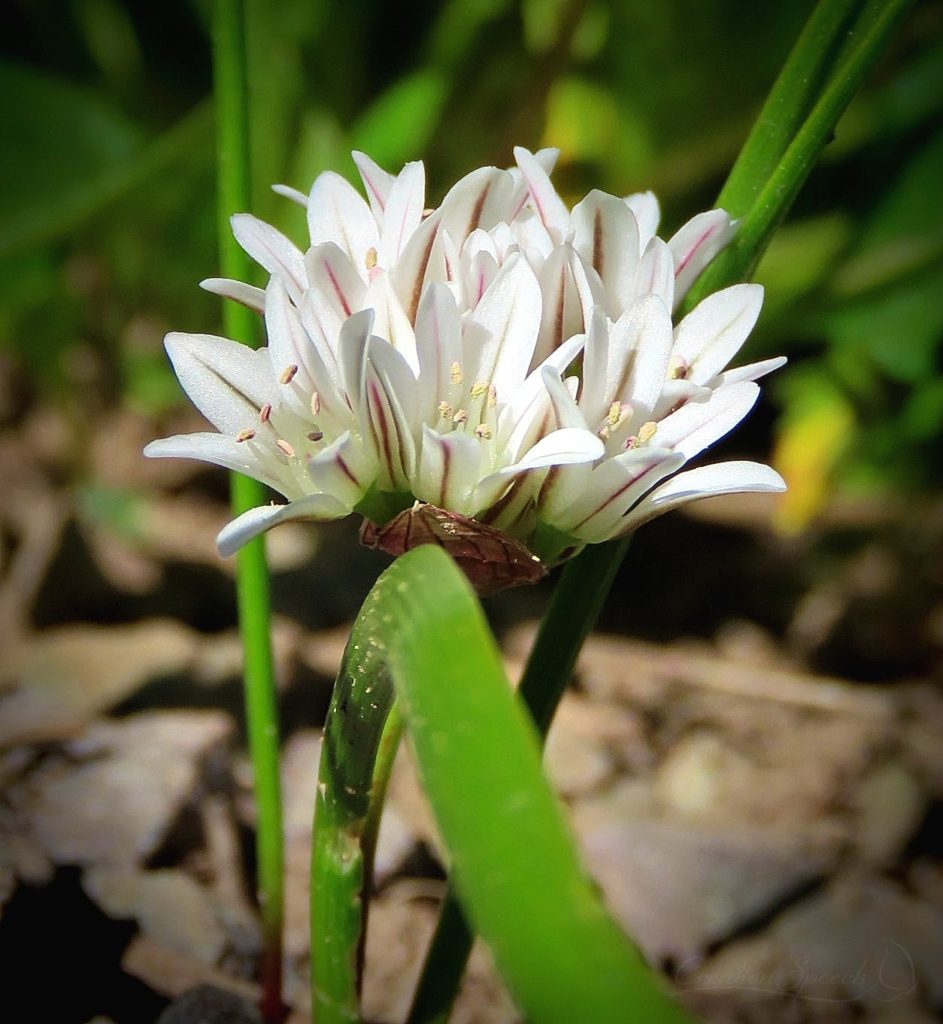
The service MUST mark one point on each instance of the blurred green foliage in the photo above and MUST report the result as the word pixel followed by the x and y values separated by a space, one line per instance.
pixel 107 206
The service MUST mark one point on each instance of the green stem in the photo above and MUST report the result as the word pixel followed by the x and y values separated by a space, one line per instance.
pixel 765 203
pixel 361 734
pixel 574 608
pixel 252 581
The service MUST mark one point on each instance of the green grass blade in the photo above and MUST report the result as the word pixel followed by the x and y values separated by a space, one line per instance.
pixel 513 858
pixel 762 204
pixel 514 861
pixel 788 104
pixel 252 580
pixel 574 608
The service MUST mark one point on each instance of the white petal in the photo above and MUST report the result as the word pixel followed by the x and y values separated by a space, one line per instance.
pixel 449 467
pixel 704 482
pixel 291 344
pixel 656 273
pixel 421 260
pixel 566 410
pixel 388 409
pixel 695 244
pixel 697 425
pixel 226 381
pixel 239 291
pixel 559 448
pixel 220 450
pixel 714 331
pixel 550 207
pixel 568 446
pixel 331 273
pixel 606 234
pixel 291 193
pixel 352 354
pixel 402 213
pixel 376 181
pixel 391 322
pixel 650 321
pixel 338 213
pixel 271 250
pixel 502 332
pixel 614 486
pixel 752 371
pixel 479 200
pixel 527 415
pixel 343 469
pixel 567 298
pixel 438 345
pixel 319 507
pixel 647 214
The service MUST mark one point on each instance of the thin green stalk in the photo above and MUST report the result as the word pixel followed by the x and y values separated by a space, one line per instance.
pixel 252 581
pixel 793 127
pixel 574 608
pixel 788 103
pixel 765 207
pixel 360 738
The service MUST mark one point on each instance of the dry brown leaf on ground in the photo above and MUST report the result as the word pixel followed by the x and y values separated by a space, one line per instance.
pixel 110 796
pixel 66 676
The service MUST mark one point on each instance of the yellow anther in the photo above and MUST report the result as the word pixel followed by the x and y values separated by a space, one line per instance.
pixel 455 373
pixel 615 411
pixel 445 410
pixel 483 433
pixel 479 388
pixel 647 431
pixel 245 435
pixel 371 258
pixel 288 374
pixel 460 417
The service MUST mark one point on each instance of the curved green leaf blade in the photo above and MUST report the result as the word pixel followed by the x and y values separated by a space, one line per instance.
pixel 513 858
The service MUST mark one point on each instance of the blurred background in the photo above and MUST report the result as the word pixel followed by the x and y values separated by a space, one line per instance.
pixel 108 221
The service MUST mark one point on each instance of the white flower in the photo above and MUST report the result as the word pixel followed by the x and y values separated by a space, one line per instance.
pixel 417 354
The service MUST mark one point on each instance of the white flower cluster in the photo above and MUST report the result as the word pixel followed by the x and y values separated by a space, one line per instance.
pixel 501 357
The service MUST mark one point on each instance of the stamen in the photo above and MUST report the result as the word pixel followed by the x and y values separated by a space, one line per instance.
pixel 479 388
pixel 615 411
pixel 460 417
pixel 285 447
pixel 647 431
pixel 677 368
pixel 265 412
pixel 315 403
pixel 371 258
pixel 445 410
pixel 455 372
pixel 603 432
pixel 288 374
pixel 315 435
pixel 245 435
pixel 483 433
pixel 492 396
